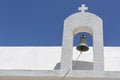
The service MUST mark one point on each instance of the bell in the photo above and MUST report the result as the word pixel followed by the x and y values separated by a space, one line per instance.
pixel 82 46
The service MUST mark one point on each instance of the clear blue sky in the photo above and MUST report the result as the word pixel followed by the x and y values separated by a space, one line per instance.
pixel 24 22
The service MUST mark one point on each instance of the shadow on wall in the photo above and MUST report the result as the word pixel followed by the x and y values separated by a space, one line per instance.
pixel 78 65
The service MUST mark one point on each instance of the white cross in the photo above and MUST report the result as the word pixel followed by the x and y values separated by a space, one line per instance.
pixel 83 8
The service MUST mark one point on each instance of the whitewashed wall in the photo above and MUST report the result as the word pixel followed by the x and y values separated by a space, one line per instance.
pixel 45 58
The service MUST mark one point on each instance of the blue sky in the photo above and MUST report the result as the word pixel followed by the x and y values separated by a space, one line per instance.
pixel 24 22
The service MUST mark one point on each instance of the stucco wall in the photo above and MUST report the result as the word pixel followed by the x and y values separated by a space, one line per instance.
pixel 45 58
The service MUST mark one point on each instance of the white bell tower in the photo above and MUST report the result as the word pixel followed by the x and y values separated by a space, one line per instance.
pixel 83 22
pixel 79 22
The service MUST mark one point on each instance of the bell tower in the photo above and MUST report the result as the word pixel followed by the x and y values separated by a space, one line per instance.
pixel 79 22
pixel 83 22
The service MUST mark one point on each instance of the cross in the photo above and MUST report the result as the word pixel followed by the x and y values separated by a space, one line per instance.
pixel 83 8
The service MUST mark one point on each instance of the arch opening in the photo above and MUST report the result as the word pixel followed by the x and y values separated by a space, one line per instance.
pixel 85 62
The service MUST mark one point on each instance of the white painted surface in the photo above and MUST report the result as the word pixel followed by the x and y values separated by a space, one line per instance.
pixel 45 58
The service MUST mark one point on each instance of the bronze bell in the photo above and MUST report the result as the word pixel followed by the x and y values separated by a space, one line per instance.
pixel 82 46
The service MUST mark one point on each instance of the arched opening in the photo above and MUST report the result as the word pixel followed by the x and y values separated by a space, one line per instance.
pixel 82 60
